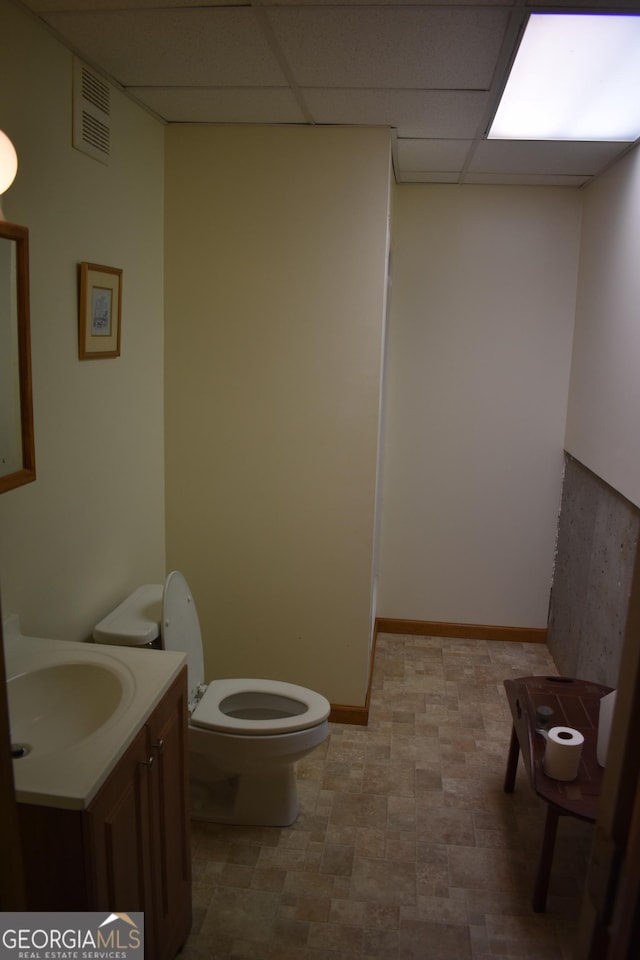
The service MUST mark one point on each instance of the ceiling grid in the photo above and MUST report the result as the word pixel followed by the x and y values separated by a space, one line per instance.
pixel 431 71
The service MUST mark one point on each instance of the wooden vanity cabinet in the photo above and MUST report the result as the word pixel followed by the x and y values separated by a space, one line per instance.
pixel 117 838
pixel 170 823
pixel 129 850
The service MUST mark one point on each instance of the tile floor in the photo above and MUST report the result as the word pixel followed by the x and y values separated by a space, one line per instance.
pixel 406 847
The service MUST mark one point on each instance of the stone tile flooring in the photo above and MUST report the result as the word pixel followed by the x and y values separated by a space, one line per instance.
pixel 406 847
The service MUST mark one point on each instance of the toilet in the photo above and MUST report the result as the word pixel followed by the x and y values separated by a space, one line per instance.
pixel 245 735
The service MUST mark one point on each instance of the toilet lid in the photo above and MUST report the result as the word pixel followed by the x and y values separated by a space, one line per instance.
pixel 181 627
pixel 136 621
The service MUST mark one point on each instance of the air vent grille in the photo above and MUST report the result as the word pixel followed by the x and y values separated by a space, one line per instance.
pixel 95 133
pixel 96 91
pixel 91 113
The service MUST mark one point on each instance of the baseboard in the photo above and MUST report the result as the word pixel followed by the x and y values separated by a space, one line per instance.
pixel 345 713
pixel 461 631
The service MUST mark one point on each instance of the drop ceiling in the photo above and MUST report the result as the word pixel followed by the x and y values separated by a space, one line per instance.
pixel 431 71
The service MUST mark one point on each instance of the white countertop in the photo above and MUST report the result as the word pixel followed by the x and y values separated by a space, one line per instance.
pixel 72 776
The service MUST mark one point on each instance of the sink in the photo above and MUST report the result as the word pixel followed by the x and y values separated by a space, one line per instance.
pixel 74 708
pixel 57 706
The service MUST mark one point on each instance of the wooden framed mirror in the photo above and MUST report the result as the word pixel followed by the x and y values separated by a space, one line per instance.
pixel 17 447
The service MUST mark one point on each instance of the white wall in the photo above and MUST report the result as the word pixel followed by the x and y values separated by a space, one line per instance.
pixel 91 527
pixel 602 422
pixel 480 328
pixel 276 261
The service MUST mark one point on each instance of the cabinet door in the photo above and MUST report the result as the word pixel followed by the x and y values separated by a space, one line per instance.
pixel 171 853
pixel 117 831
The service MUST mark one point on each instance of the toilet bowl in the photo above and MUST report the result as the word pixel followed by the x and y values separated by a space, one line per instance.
pixel 245 735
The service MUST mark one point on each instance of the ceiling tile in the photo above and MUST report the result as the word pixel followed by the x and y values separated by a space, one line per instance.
pixel 413 113
pixel 542 156
pixel 526 180
pixel 368 3
pixel 212 46
pixel 232 105
pixel 396 47
pixel 441 155
pixel 417 176
pixel 618 5
pixel 43 6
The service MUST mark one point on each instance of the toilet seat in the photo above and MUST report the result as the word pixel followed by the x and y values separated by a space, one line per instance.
pixel 308 709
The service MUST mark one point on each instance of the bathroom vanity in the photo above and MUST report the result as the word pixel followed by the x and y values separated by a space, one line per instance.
pixel 116 837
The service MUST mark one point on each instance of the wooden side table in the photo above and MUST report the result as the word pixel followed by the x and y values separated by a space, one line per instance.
pixel 575 703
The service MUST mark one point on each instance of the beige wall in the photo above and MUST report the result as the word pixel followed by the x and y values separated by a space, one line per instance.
pixel 602 422
pixel 275 274
pixel 91 527
pixel 479 344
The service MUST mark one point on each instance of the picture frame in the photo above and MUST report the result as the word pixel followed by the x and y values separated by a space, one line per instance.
pixel 100 313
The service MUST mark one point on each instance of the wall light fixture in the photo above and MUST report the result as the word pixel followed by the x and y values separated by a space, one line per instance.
pixel 8 166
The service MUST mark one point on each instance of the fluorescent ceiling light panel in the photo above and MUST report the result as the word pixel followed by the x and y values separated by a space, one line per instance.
pixel 575 77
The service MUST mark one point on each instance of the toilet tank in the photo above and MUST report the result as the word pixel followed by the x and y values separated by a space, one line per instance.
pixel 136 621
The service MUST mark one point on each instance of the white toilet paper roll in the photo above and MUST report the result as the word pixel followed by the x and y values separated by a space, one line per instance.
pixel 562 755
pixel 607 706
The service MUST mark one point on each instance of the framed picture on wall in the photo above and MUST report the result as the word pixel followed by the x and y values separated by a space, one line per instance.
pixel 100 319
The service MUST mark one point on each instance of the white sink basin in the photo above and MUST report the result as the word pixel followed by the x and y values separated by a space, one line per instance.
pixel 60 705
pixel 76 707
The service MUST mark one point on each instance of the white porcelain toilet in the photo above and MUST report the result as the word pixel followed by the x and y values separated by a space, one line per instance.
pixel 244 735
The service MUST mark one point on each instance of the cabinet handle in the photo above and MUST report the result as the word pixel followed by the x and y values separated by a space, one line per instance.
pixel 159 746
pixel 147 763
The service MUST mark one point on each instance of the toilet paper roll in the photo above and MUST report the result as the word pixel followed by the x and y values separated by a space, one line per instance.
pixel 562 755
pixel 607 705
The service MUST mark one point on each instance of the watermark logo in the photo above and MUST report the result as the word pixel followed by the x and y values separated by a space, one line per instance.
pixel 71 936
